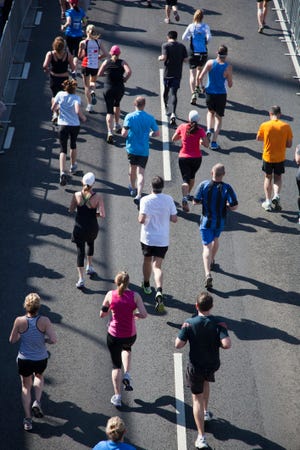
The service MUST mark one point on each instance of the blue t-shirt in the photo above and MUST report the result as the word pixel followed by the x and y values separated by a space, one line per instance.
pixel 67 114
pixel 214 196
pixel 110 445
pixel 215 78
pixel 75 29
pixel 139 124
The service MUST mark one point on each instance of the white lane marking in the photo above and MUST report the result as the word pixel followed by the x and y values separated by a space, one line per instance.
pixel 8 139
pixel 164 131
pixel 179 396
pixel 38 18
pixel 25 71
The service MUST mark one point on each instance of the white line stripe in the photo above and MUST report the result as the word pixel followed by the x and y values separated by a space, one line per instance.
pixel 38 18
pixel 8 139
pixel 179 395
pixel 164 131
pixel 25 71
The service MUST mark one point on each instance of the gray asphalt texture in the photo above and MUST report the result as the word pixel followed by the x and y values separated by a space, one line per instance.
pixel 255 399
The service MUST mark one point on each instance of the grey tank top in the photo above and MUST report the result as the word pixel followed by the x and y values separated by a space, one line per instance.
pixel 33 345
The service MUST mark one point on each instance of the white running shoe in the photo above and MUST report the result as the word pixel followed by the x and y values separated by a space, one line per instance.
pixel 116 400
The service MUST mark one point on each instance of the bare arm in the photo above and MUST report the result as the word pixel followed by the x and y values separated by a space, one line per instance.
pixel 179 343
pixel 176 137
pixel 154 133
pixel 127 71
pixel 73 204
pixel 259 137
pixel 297 156
pixel 102 69
pixel 100 207
pixel 228 76
pixel 50 332
pixel 124 132
pixel 106 304
pixel 204 71
pixel 289 143
pixel 79 112
pixel 142 218
pixel 81 50
pixel 205 141
pixel 71 62
pixel 226 343
pixel 65 25
pixel 173 218
pixel 47 61
pixel 15 333
pixel 142 314
pixel 104 52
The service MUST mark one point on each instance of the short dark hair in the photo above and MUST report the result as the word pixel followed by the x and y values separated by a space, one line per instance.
pixel 172 34
pixel 157 184
pixel 276 110
pixel 204 301
pixel 222 51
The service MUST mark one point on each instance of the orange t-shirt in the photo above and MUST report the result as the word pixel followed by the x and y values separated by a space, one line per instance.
pixel 275 134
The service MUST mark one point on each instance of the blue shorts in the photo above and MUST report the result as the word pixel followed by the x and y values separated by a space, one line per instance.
pixel 209 234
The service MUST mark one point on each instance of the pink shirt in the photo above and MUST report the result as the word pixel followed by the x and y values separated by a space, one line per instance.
pixel 122 324
pixel 190 142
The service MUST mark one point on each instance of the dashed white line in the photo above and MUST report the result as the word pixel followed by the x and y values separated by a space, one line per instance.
pixel 164 132
pixel 180 409
pixel 9 137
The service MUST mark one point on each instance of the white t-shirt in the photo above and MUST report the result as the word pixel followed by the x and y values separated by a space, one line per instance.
pixel 158 208
pixel 67 114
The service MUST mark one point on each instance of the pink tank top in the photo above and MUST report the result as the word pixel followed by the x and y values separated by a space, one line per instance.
pixel 122 324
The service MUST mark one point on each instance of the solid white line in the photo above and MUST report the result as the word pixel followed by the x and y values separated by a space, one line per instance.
pixel 38 18
pixel 25 71
pixel 179 396
pixel 8 139
pixel 164 131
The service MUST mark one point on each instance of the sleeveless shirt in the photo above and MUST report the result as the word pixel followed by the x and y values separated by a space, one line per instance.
pixel 33 345
pixel 122 324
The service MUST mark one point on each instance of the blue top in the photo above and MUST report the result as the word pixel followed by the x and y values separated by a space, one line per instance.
pixel 67 114
pixel 139 124
pixel 75 29
pixel 214 196
pixel 110 445
pixel 199 35
pixel 216 80
pixel 33 345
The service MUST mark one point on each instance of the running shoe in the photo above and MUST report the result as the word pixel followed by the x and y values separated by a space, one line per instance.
pixel 190 197
pixel 27 424
pixel 214 145
pixel 208 134
pixel 54 118
pixel 94 98
pixel 116 400
pixel 110 139
pixel 208 282
pixel 37 410
pixel 267 205
pixel 80 284
pixel 127 382
pixel 63 179
pixel 90 271
pixel 147 289
pixel 176 15
pixel 276 203
pixel 74 75
pixel 201 442
pixel 208 416
pixel 149 5
pixel 212 264
pixel 136 201
pixel 89 108
pixel 117 128
pixel 173 120
pixel 194 99
pixel 132 191
pixel 185 204
pixel 167 20
pixel 73 168
pixel 159 304
pixel 260 30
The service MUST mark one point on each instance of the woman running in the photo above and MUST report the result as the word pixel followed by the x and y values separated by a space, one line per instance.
pixel 125 306
pixel 91 50
pixel 89 206
pixel 190 156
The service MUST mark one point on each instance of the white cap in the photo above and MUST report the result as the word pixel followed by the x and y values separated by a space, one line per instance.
pixel 194 116
pixel 88 179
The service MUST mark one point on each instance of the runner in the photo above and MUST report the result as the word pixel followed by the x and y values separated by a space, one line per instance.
pixel 125 306
pixel 115 431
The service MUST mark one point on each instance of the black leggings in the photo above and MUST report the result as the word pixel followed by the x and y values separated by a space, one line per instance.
pixel 81 251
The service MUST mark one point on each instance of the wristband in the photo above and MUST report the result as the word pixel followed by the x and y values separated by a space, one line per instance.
pixel 105 308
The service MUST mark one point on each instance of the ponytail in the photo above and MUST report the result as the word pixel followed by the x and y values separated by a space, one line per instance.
pixel 122 281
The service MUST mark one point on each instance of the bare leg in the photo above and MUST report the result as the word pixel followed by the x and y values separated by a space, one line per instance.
pixel 116 376
pixel 73 155
pixel 126 360
pixel 147 268
pixel 80 272
pixel 205 395
pixel 132 175
pixel 62 162
pixel 110 122
pixel 260 14
pixel 207 257
pixel 217 129
pixel 157 271
pixel 277 184
pixel 268 187
pixel 191 184
pixel 215 248
pixel 210 120
pixel 192 79
pixel 26 394
pixel 38 385
pixel 87 90
pixel 117 113
pixel 140 180
pixel 198 411
pixel 168 12
pixel 185 189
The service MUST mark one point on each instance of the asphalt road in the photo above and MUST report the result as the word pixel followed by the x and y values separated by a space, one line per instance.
pixel 255 399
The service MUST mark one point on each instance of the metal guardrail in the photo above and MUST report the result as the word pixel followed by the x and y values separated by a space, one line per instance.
pixel 292 11
pixel 9 39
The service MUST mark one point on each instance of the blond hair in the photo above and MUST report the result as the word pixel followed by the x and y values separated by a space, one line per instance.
pixel 32 303
pixel 91 32
pixel 198 16
pixel 122 281
pixel 115 429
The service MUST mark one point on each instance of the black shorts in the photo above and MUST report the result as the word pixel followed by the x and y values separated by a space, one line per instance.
pixel 151 250
pixel 113 97
pixel 116 345
pixel 172 83
pixel 195 378
pixel 137 160
pixel 171 2
pixel 28 367
pixel 73 45
pixel 87 71
pixel 189 167
pixel 56 84
pixel 66 132
pixel 216 103
pixel 197 60
pixel 269 168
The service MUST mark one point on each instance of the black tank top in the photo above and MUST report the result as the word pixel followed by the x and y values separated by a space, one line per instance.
pixel 114 72
pixel 58 65
pixel 86 218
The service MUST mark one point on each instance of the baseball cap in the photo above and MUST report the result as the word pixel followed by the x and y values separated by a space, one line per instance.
pixel 88 179
pixel 115 50
pixel 194 116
